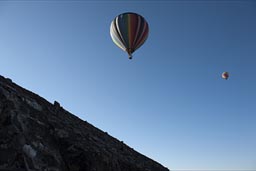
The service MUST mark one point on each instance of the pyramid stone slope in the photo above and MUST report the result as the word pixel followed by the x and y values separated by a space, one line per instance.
pixel 36 135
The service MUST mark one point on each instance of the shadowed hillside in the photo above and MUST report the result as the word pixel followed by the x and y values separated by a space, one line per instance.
pixel 36 135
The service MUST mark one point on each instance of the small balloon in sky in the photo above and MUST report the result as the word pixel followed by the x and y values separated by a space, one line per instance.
pixel 225 75
pixel 129 31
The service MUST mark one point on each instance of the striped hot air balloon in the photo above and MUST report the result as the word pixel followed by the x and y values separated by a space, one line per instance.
pixel 129 31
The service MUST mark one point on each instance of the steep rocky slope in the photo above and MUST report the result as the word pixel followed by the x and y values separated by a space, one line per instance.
pixel 36 135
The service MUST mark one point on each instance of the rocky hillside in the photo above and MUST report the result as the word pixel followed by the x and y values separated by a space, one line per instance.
pixel 36 135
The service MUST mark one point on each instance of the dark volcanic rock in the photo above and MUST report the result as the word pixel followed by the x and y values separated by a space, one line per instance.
pixel 36 135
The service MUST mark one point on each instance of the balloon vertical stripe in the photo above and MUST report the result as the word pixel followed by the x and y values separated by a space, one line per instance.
pixel 115 36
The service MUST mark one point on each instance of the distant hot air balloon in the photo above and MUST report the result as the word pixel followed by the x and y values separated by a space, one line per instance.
pixel 129 31
pixel 225 75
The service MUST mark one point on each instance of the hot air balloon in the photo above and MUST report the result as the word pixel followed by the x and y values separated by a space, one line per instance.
pixel 225 75
pixel 129 31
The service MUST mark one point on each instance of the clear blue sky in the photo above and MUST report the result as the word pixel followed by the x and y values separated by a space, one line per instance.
pixel 170 102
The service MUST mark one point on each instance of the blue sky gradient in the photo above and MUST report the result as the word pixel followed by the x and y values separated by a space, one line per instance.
pixel 169 102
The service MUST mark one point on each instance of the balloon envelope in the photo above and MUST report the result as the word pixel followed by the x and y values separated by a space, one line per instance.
pixel 129 31
pixel 225 75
